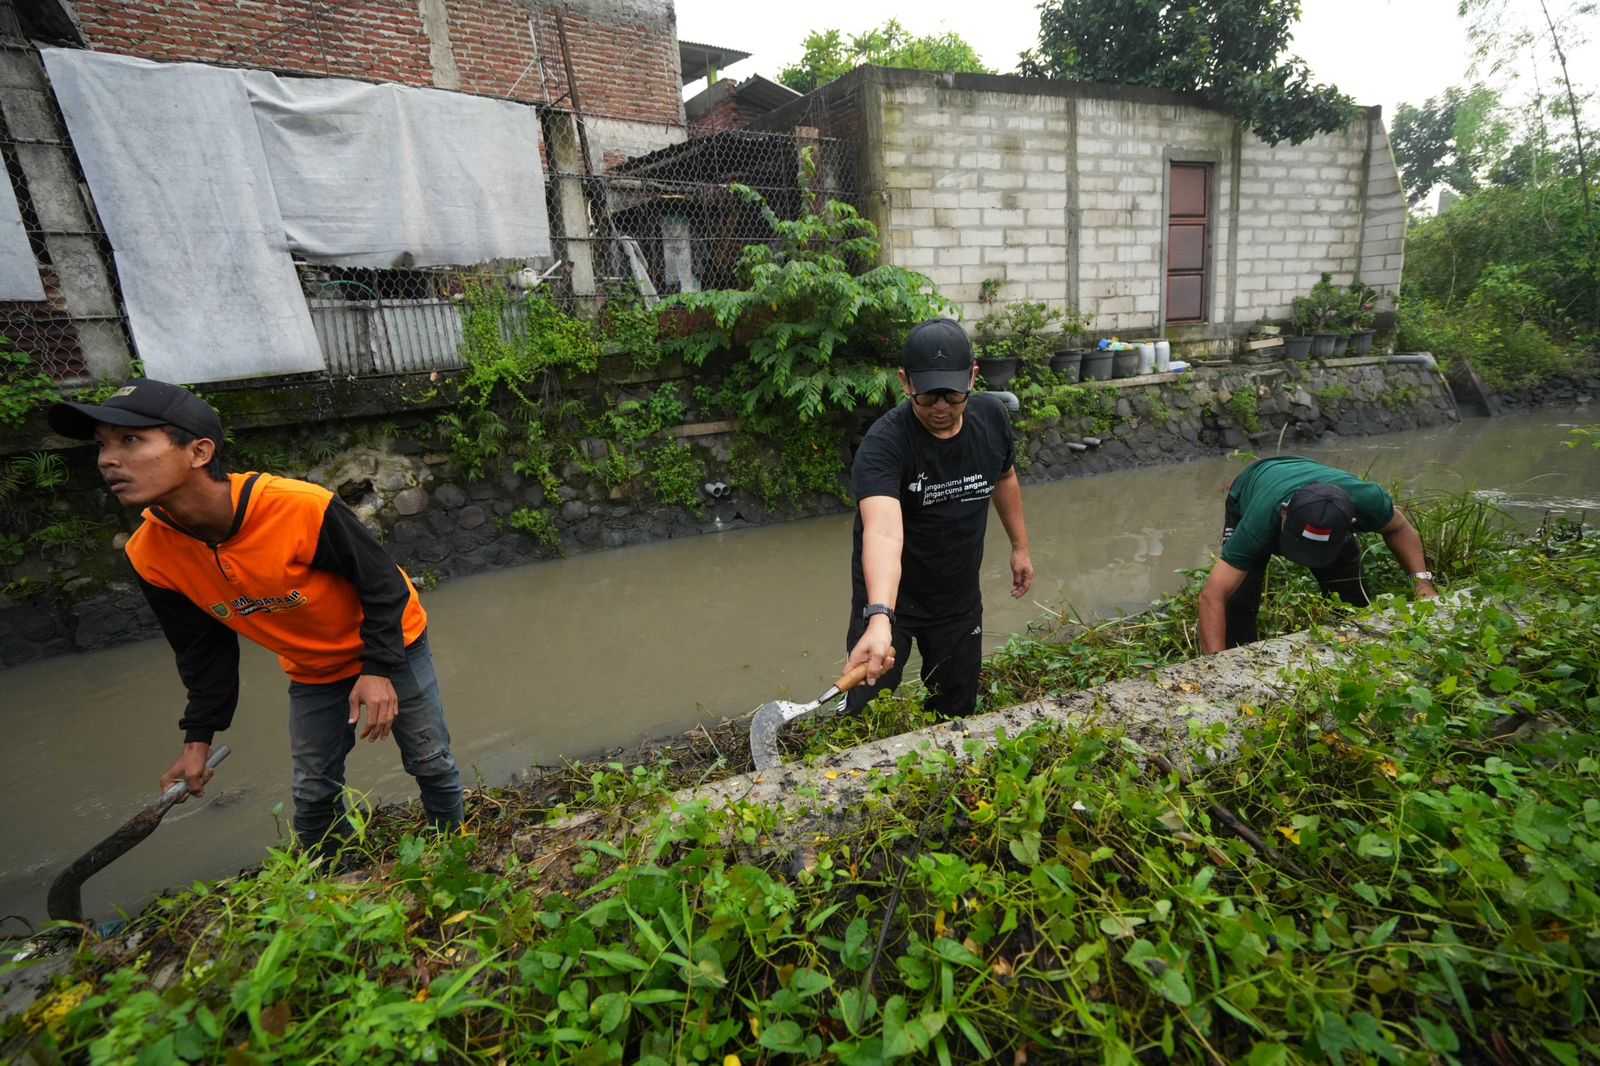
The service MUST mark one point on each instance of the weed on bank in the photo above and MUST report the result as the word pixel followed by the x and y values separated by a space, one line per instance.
pixel 1432 803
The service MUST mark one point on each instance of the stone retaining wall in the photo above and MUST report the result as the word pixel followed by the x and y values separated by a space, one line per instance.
pixel 439 525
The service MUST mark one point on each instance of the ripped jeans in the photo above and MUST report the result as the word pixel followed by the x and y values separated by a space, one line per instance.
pixel 320 736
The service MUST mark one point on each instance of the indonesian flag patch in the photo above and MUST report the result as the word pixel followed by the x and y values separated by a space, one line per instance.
pixel 1314 533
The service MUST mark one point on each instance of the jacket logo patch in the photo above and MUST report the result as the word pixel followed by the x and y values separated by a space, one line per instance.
pixel 248 605
pixel 220 610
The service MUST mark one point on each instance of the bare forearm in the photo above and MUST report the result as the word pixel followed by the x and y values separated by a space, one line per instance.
pixel 1407 548
pixel 1212 625
pixel 880 562
pixel 1008 505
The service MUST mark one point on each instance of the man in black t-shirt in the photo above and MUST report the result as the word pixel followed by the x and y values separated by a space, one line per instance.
pixel 923 479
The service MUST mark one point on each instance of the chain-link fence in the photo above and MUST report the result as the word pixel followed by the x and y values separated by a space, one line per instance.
pixel 645 228
pixel 663 223
pixel 79 327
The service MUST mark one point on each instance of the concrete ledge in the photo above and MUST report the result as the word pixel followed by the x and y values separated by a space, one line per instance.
pixel 1156 712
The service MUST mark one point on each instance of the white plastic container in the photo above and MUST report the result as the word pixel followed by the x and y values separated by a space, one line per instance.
pixel 1147 357
pixel 1163 356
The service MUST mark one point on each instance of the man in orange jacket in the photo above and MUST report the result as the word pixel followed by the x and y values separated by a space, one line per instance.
pixel 286 564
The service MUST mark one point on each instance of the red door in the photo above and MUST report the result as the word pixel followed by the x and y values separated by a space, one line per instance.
pixel 1188 231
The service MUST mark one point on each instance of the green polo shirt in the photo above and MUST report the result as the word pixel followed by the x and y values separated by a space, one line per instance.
pixel 1266 485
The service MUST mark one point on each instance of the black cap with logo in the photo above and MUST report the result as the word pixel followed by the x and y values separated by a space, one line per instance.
pixel 1317 522
pixel 139 403
pixel 938 355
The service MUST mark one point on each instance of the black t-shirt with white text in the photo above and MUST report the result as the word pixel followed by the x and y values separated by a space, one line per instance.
pixel 944 487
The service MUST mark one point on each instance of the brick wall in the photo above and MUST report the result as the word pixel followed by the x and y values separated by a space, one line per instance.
pixel 1059 192
pixel 624 52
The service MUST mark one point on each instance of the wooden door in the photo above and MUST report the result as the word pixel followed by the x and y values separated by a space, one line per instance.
pixel 1188 237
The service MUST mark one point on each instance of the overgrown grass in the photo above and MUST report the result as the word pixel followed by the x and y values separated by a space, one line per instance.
pixel 1433 798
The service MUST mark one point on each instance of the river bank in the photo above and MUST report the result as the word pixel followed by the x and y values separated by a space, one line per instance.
pixel 588 656
pixel 1427 892
pixel 446 511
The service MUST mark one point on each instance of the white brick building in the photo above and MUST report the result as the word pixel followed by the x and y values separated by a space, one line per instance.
pixel 1149 211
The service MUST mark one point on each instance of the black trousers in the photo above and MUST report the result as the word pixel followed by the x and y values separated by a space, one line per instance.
pixel 951 653
pixel 1341 578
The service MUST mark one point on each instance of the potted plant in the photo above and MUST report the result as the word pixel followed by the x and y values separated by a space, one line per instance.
pixel 1013 337
pixel 997 359
pixel 1363 318
pixel 1068 361
pixel 1317 314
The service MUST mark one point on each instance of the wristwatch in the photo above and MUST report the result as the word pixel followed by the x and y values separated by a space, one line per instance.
pixel 877 608
pixel 1422 575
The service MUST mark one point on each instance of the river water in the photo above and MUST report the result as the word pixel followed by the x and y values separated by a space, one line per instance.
pixel 572 657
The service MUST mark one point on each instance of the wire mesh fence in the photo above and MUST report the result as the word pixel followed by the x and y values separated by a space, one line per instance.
pixel 80 324
pixel 643 228
pixel 646 228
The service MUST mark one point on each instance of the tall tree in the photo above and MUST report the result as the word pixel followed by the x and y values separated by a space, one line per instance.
pixel 1455 139
pixel 1234 53
pixel 830 55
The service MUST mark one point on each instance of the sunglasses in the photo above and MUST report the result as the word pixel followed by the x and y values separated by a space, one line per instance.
pixel 950 396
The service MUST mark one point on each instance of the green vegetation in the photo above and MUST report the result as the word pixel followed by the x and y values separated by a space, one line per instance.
pixel 1431 799
pixel 537 523
pixel 819 318
pixel 1245 406
pixel 782 469
pixel 1509 276
pixel 675 472
pixel 23 388
pixel 1235 54
pixel 829 55
pixel 1046 399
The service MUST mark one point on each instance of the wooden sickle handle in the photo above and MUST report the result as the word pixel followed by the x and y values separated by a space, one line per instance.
pixel 851 678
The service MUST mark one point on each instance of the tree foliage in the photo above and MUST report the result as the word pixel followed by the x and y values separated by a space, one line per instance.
pixel 1234 53
pixel 1452 140
pixel 830 55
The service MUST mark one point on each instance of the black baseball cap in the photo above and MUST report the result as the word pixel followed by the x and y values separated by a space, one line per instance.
pixel 1316 525
pixel 938 355
pixel 139 403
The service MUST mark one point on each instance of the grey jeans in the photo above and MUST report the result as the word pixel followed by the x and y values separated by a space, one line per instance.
pixel 320 736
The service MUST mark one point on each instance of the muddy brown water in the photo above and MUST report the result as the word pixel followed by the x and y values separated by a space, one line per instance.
pixel 573 657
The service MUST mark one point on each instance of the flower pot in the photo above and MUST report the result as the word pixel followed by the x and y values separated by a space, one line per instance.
pixel 1098 365
pixel 1341 344
pixel 1361 341
pixel 1125 364
pixel 1297 347
pixel 997 373
pixel 1068 363
pixel 1322 345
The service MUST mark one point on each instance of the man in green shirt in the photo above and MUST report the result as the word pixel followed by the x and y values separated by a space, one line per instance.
pixel 1309 513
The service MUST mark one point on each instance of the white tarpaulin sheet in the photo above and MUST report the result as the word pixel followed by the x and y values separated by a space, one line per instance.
pixel 208 178
pixel 19 270
pixel 175 164
pixel 389 176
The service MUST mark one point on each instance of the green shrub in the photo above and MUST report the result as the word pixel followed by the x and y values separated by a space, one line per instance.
pixel 536 523
pixel 675 472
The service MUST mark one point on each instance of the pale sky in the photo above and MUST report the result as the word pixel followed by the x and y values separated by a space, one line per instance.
pixel 1379 51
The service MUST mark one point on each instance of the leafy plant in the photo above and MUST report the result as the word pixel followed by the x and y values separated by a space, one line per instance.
pixel 816 316
pixel 783 470
pixel 1021 329
pixel 536 523
pixel 24 388
pixel 1245 406
pixel 675 473
pixel 1327 308
pixel 829 55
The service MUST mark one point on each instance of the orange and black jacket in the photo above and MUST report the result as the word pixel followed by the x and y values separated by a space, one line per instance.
pixel 297 573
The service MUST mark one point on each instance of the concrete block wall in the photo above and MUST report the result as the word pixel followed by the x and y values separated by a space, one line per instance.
pixel 1123 151
pixel 1059 191
pixel 976 185
pixel 1299 216
pixel 1383 237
